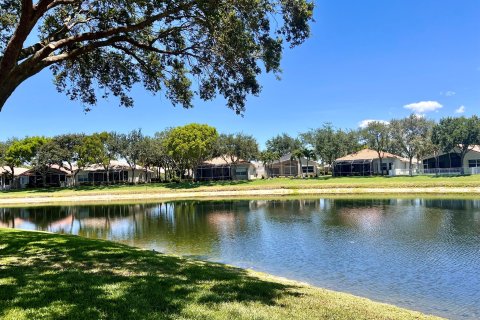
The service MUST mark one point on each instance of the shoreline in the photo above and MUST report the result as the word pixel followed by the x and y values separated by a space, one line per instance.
pixel 281 192
pixel 292 298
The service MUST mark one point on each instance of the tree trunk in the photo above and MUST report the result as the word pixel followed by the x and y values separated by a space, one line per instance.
pixel 107 169
pixel 133 174
pixel 410 166
pixel 300 173
pixel 75 173
pixel 6 89
pixel 12 178
pixel 380 165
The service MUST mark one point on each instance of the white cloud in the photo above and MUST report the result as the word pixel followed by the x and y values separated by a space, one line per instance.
pixel 460 109
pixel 364 123
pixel 423 106
pixel 448 93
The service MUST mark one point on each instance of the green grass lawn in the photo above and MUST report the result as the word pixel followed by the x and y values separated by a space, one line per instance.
pixel 322 182
pixel 47 276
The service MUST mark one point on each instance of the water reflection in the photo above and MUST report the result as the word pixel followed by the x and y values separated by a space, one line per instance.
pixel 419 253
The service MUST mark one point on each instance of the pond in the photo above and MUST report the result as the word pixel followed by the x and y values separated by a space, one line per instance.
pixel 422 254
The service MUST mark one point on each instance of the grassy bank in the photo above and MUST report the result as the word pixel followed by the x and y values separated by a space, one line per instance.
pixel 264 184
pixel 47 276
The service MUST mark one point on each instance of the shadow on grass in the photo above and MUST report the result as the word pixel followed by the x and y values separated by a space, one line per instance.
pixel 52 276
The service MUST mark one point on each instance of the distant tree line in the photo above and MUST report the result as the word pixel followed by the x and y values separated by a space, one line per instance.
pixel 176 152
pixel 411 137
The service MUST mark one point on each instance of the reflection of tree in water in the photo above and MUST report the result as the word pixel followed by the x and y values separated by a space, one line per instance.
pixel 280 209
pixel 418 219
pixel 462 214
pixel 199 226
pixel 191 225
pixel 41 217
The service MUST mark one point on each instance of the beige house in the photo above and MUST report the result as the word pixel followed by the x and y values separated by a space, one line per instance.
pixel 224 169
pixel 7 183
pixel 366 163
pixel 119 172
pixel 287 166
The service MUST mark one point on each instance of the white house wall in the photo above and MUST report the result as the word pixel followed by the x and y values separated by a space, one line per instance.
pixel 139 176
pixel 396 164
pixel 471 155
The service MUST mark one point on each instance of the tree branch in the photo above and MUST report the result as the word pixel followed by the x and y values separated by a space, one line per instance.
pixel 14 46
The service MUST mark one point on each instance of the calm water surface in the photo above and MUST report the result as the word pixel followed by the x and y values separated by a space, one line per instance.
pixel 420 254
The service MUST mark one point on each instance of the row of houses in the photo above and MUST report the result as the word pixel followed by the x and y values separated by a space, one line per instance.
pixel 286 166
pixel 57 176
pixel 366 163
pixel 361 163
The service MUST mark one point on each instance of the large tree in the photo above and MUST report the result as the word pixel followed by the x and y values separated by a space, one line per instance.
pixel 99 149
pixel 235 147
pixel 111 46
pixel 283 144
pixel 377 136
pixel 190 145
pixel 69 146
pixel 457 135
pixel 47 154
pixel 330 143
pixel 21 152
pixel 409 135
pixel 130 148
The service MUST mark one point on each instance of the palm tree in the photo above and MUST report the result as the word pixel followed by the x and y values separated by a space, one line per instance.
pixel 268 157
pixel 297 154
pixel 308 154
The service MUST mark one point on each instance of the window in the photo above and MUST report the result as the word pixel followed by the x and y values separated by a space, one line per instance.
pixel 474 163
pixel 384 167
pixel 309 169
pixel 241 172
pixel 82 178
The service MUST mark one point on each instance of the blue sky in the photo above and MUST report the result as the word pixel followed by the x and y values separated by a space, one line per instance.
pixel 365 60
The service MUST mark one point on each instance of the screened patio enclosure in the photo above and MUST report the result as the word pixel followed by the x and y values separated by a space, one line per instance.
pixel 212 172
pixel 361 167
pixel 448 160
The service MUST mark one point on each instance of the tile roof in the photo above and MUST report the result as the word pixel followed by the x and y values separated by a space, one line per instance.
pixel 369 154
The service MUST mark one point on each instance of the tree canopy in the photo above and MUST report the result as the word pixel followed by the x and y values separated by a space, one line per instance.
pixel 330 143
pixel 283 144
pixel 168 46
pixel 411 135
pixel 458 135
pixel 377 136
pixel 235 147
pixel 190 145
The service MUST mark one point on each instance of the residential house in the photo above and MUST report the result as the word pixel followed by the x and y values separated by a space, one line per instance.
pixel 287 166
pixel 450 162
pixel 119 172
pixel 367 163
pixel 6 181
pixel 224 169
pixel 55 176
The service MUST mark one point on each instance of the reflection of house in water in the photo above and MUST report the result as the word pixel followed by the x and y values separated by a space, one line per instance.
pixel 454 204
pixel 362 217
pixel 287 206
